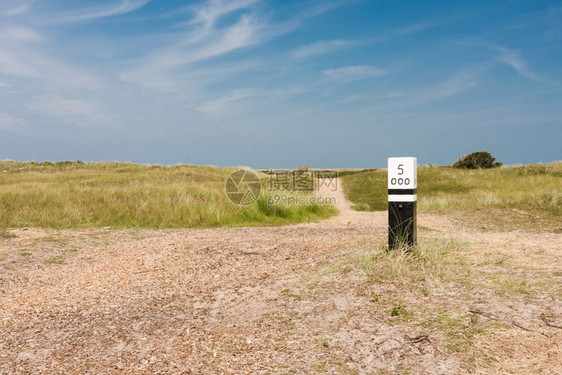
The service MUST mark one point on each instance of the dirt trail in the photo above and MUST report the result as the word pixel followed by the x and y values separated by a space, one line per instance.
pixel 249 301
pixel 336 192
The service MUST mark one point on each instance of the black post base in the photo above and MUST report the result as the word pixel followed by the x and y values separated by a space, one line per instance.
pixel 402 224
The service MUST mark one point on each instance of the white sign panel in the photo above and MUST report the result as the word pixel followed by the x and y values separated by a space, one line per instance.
pixel 402 173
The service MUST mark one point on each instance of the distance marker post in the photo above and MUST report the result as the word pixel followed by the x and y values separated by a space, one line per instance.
pixel 402 201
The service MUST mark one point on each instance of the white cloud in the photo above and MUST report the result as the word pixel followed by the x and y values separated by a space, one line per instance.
pixel 321 47
pixel 453 86
pixel 180 51
pixel 21 56
pixel 334 45
pixel 4 84
pixel 354 72
pixel 10 123
pixel 417 27
pixel 231 101
pixel 317 8
pixel 242 34
pixel 83 113
pixel 208 14
pixel 122 7
pixel 507 56
pixel 16 58
pixel 13 8
pixel 514 59
pixel 220 104
pixel 24 62
pixel 20 33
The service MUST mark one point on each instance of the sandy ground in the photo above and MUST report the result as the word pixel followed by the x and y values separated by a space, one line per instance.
pixel 257 301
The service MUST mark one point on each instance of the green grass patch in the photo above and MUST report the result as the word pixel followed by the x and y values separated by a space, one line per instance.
pixel 55 260
pixel 460 331
pixel 400 310
pixel 121 195
pixel 517 197
pixel 362 207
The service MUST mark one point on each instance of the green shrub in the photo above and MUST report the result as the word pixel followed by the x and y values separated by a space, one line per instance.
pixel 362 207
pixel 477 160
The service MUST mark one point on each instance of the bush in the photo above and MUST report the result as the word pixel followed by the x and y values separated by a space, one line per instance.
pixel 477 160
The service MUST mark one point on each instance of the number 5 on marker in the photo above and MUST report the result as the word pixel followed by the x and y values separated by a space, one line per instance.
pixel 402 173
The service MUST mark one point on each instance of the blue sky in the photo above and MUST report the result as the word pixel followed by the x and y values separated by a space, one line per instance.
pixel 280 83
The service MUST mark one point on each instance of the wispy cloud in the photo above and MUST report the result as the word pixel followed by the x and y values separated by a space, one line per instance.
pixel 12 8
pixel 219 105
pixel 11 124
pixel 513 58
pixel 223 104
pixel 417 27
pixel 246 27
pixel 316 8
pixel 450 87
pixel 322 47
pixel 16 57
pixel 507 56
pixel 354 72
pixel 251 28
pixel 21 56
pixel 242 34
pixel 19 33
pixel 115 9
pixel 80 112
pixel 208 14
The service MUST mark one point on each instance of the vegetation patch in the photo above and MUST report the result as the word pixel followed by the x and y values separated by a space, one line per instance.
pixel 121 195
pixel 433 258
pixel 516 197
pixel 459 331
pixel 477 160
pixel 362 207
pixel 55 260
pixel 399 310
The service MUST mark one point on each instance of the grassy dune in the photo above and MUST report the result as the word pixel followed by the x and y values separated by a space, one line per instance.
pixel 518 197
pixel 76 194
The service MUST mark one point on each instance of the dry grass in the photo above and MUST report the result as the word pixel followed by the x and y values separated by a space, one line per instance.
pixel 75 194
pixel 433 258
pixel 519 352
pixel 516 197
